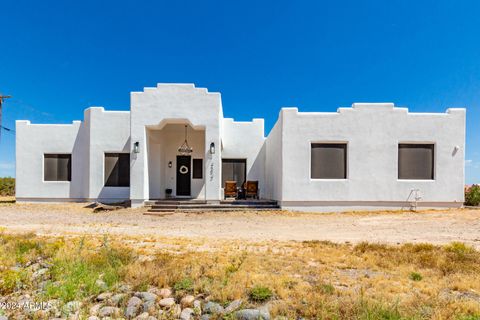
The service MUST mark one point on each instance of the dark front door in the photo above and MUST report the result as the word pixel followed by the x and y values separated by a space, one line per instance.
pixel 183 175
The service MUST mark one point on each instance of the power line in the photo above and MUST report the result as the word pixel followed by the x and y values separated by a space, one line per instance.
pixel 7 129
pixel 2 97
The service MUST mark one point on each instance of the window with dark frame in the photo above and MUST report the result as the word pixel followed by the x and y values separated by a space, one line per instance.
pixel 234 170
pixel 57 167
pixel 117 169
pixel 416 161
pixel 197 169
pixel 328 161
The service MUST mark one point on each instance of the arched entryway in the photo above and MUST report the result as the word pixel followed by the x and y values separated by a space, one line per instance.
pixel 173 172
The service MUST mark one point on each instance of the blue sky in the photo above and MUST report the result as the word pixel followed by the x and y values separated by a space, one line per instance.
pixel 59 57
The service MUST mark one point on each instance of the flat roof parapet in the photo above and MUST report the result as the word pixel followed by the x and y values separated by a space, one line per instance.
pixel 373 105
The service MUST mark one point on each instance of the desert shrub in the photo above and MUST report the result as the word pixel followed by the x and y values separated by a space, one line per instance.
pixel 75 274
pixel 186 284
pixel 415 276
pixel 260 293
pixel 11 280
pixel 460 250
pixel 472 196
pixel 7 187
pixel 364 247
pixel 469 317
pixel 327 288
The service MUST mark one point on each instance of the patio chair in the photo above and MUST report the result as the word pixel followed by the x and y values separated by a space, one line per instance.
pixel 230 189
pixel 251 189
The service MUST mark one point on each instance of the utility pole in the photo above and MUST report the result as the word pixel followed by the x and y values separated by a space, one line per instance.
pixel 2 97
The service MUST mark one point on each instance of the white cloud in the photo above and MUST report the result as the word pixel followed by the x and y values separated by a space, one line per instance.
pixel 7 165
pixel 468 162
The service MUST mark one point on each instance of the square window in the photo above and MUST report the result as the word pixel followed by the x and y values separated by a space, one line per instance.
pixel 117 169
pixel 328 161
pixel 234 170
pixel 416 161
pixel 57 167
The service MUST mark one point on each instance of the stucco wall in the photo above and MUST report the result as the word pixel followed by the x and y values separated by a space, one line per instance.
pixel 246 140
pixel 109 133
pixel 169 102
pixel 280 162
pixel 372 132
pixel 32 142
pixel 274 161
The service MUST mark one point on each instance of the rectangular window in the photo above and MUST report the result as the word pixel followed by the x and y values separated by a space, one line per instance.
pixel 416 161
pixel 117 169
pixel 197 169
pixel 328 161
pixel 234 170
pixel 57 167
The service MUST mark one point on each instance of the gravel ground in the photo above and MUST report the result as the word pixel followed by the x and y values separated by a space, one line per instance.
pixel 436 227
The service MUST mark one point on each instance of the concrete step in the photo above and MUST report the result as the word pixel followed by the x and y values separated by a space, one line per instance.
pixel 213 206
pixel 170 206
pixel 164 212
pixel 152 202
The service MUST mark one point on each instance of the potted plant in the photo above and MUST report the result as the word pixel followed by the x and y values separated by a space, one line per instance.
pixel 168 192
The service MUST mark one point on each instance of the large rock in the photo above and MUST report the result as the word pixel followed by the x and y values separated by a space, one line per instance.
pixel 149 306
pixel 117 299
pixel 187 301
pixel 124 288
pixel 213 308
pixel 108 312
pixel 95 308
pixel 166 302
pixel 132 307
pixel 186 314
pixel 104 296
pixel 197 306
pixel 40 274
pixel 165 293
pixel 251 314
pixel 146 296
pixel 71 307
pixel 233 306
pixel 145 316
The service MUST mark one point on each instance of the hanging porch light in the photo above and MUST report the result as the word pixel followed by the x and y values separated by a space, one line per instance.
pixel 185 148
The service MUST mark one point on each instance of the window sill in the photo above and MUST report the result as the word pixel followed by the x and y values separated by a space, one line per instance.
pixel 416 180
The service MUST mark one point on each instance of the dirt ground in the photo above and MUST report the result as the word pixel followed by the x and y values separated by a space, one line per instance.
pixel 437 227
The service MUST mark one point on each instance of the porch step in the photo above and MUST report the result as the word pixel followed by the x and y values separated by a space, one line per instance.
pixel 160 207
pixel 174 202
pixel 166 212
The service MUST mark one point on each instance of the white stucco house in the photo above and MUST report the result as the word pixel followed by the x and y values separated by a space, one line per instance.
pixel 175 142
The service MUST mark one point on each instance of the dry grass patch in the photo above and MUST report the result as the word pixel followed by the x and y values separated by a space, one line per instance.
pixel 312 279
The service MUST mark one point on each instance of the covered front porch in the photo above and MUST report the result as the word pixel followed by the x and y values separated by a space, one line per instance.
pixel 176 160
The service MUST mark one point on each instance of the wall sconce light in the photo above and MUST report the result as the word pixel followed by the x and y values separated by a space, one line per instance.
pixel 136 147
pixel 169 164
pixel 212 148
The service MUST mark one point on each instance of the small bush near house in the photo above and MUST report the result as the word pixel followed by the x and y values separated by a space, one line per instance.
pixel 259 293
pixel 7 187
pixel 472 196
